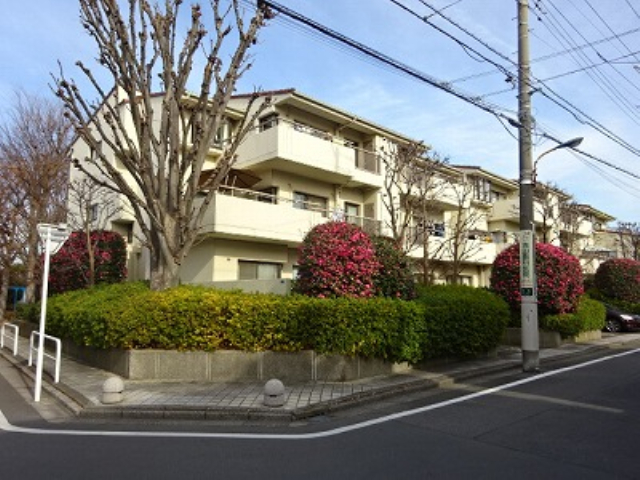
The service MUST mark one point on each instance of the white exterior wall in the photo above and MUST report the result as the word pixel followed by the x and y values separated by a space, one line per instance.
pixel 310 150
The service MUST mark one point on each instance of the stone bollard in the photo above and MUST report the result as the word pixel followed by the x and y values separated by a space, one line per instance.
pixel 273 393
pixel 112 390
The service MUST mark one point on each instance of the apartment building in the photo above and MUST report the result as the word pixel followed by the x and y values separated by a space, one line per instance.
pixel 304 163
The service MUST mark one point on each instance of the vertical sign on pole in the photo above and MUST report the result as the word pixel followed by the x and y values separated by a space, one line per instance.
pixel 54 237
pixel 527 264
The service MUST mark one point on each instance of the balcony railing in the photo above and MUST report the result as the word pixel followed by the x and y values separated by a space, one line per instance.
pixel 304 149
pixel 369 225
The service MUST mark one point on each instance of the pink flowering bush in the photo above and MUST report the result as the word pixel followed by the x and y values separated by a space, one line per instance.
pixel 70 267
pixel 559 278
pixel 337 259
pixel 395 278
pixel 619 279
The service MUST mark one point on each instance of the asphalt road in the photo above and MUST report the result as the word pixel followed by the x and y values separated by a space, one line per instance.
pixel 580 423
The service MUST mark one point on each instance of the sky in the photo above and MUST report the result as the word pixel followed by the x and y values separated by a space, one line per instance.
pixel 584 55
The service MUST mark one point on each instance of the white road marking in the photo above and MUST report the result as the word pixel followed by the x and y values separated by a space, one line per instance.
pixel 8 427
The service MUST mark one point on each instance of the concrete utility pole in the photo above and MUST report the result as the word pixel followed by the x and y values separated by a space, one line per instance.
pixel 528 287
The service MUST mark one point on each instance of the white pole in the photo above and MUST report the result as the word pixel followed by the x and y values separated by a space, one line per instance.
pixel 43 314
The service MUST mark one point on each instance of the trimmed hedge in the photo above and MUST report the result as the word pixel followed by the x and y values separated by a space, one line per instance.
pixel 589 316
pixel 445 321
pixel 462 321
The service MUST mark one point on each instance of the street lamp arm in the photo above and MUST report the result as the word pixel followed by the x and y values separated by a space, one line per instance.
pixel 573 143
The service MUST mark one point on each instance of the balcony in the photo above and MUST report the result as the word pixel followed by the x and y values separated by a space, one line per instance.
pixel 246 214
pixel 308 152
pixel 478 249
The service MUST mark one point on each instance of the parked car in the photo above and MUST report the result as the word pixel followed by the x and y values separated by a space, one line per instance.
pixel 618 321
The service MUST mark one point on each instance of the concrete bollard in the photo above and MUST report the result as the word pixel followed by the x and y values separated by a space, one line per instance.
pixel 273 393
pixel 112 390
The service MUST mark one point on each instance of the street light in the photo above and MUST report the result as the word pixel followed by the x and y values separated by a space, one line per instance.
pixel 54 237
pixel 528 284
pixel 573 143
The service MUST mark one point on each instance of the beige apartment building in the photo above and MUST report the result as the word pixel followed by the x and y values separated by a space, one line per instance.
pixel 306 163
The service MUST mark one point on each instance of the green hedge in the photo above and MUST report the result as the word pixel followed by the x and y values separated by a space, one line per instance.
pixel 445 321
pixel 462 321
pixel 589 316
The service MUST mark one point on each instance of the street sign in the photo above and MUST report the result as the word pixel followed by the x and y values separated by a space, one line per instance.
pixel 54 237
pixel 55 234
pixel 527 263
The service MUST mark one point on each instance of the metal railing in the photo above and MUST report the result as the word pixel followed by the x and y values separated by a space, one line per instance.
pixel 10 336
pixel 370 225
pixel 56 358
pixel 364 159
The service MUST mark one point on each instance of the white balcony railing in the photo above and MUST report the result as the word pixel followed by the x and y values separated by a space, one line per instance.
pixel 301 149
pixel 237 212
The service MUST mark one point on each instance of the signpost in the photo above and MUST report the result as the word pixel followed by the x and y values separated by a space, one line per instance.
pixel 54 237
pixel 528 295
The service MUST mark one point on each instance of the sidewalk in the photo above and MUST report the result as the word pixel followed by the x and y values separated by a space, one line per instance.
pixel 80 387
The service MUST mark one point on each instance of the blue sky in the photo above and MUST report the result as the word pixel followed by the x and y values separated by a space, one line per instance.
pixel 35 34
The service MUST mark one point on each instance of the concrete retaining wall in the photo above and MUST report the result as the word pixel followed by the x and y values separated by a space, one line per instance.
pixel 513 336
pixel 230 365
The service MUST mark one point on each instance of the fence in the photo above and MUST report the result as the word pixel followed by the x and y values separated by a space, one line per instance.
pixel 10 335
pixel 56 358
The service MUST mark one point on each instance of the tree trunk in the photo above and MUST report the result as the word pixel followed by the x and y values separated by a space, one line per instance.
pixel 164 274
pixel 91 280
pixel 31 265
pixel 165 271
pixel 4 292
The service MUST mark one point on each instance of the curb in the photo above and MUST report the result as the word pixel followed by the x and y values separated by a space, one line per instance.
pixel 81 406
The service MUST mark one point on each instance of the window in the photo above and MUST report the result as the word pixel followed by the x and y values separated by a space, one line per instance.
pixel 95 152
pixel 270 195
pixel 248 270
pixel 93 212
pixel 482 189
pixel 351 211
pixel 305 201
pixel 437 229
pixel 125 229
pixel 220 138
pixel 462 280
pixel 367 159
pixel 268 121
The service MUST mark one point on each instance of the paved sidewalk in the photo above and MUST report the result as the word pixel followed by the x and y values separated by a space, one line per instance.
pixel 80 387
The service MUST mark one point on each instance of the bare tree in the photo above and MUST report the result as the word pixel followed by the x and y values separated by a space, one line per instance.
pixel 549 200
pixel 91 206
pixel 414 180
pixel 629 237
pixel 464 232
pixel 162 140
pixel 572 216
pixel 12 215
pixel 34 145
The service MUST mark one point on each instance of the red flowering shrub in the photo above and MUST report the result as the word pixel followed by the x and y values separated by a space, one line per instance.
pixel 70 267
pixel 559 278
pixel 394 279
pixel 337 259
pixel 619 278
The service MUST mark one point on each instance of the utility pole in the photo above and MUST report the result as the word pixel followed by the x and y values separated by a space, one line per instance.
pixel 528 284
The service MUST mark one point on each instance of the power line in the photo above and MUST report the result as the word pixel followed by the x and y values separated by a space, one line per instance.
pixel 606 86
pixel 385 59
pixel 444 86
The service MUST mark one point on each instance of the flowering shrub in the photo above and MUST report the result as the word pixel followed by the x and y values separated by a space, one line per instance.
pixel 559 278
pixel 337 259
pixel 70 267
pixel 394 279
pixel 619 278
